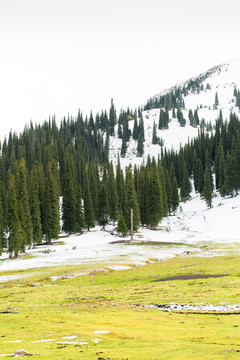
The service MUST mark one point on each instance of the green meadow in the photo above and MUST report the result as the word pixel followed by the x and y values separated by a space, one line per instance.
pixel 57 313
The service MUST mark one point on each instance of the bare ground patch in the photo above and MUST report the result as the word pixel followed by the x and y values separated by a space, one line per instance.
pixel 191 277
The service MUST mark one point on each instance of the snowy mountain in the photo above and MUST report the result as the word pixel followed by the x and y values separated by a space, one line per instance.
pixel 198 93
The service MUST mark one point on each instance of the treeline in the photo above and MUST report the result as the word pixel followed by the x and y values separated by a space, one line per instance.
pixel 70 163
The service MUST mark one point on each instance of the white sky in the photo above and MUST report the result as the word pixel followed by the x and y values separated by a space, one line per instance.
pixel 61 55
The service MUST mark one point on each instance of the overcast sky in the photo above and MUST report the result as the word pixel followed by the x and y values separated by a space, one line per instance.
pixel 61 55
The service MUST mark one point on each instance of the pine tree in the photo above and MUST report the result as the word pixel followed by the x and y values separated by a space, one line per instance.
pixel 112 194
pixel 94 184
pixel 162 179
pixel 120 133
pixel 155 201
pixel 15 232
pixel 168 191
pixel 51 221
pixel 112 118
pixel 207 190
pixel 180 117
pixel 154 134
pixel 103 206
pixel 140 146
pixel 221 171
pixel 124 145
pixel 186 185
pixel 135 130
pixel 34 202
pixel 216 103
pixel 79 210
pixel 173 113
pixel 23 204
pixel 120 186
pixel 88 208
pixel 229 184
pixel 122 227
pixel 166 119
pixel 200 176
pixel 1 227
pixel 69 194
pixel 174 195
pixel 131 201
pixel 238 99
pixel 141 194
pixel 161 120
pixel 141 128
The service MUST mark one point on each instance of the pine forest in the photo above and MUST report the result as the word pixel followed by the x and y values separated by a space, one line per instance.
pixel 59 177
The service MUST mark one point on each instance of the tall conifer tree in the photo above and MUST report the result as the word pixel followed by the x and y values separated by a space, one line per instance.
pixel 112 194
pixel 103 206
pixel 16 235
pixel 34 202
pixel 131 201
pixel 69 202
pixel 51 220
pixel 88 207
pixel 23 203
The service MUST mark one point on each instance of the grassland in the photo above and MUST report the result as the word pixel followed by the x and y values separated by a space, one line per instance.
pixel 71 318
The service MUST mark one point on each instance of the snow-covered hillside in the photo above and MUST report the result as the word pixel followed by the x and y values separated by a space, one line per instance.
pixel 222 79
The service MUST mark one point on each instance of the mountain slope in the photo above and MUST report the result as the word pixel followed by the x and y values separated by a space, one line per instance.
pixel 197 93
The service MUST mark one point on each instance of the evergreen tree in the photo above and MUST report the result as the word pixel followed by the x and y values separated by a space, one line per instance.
pixel 112 118
pixel 166 119
pixel 186 185
pixel 207 190
pixel 140 146
pixel 94 184
pixel 216 103
pixel 79 210
pixel 103 206
pixel 173 113
pixel 1 227
pixel 168 191
pixel 120 133
pixel 135 130
pixel 141 129
pixel 174 195
pixel 122 227
pixel 112 195
pixel 238 99
pixel 15 232
pixel 180 117
pixel 229 184
pixel 88 208
pixel 162 180
pixel 34 202
pixel 200 177
pixel 131 201
pixel 69 194
pixel 23 204
pixel 161 120
pixel 51 221
pixel 120 186
pixel 141 194
pixel 221 171
pixel 124 138
pixel 155 200
pixel 154 134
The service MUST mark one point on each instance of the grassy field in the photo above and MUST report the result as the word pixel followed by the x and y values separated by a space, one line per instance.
pixel 68 317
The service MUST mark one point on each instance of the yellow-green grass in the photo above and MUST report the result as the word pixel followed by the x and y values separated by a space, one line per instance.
pixel 37 308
